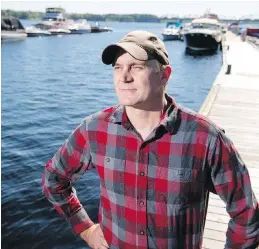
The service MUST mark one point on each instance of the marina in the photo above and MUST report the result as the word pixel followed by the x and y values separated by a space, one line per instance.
pixel 50 84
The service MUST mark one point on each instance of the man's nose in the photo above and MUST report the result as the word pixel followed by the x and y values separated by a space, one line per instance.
pixel 126 76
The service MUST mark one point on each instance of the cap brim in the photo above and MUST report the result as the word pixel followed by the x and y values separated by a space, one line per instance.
pixel 110 52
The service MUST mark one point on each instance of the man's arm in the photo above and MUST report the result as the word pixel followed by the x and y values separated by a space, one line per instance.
pixel 67 165
pixel 232 183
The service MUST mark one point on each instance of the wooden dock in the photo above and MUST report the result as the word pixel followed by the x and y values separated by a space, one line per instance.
pixel 233 104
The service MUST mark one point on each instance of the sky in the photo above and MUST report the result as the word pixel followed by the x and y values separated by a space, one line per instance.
pixel 231 9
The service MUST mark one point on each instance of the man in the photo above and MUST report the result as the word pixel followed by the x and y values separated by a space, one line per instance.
pixel 156 162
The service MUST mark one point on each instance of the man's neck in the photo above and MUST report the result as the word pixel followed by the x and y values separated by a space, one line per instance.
pixel 144 121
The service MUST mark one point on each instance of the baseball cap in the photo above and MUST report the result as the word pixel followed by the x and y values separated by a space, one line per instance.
pixel 141 45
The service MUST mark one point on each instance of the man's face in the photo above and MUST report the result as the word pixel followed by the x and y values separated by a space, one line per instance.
pixel 137 83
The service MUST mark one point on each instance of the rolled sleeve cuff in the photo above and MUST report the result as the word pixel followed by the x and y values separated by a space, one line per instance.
pixel 80 222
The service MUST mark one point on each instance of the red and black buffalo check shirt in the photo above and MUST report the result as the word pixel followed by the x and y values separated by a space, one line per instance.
pixel 154 193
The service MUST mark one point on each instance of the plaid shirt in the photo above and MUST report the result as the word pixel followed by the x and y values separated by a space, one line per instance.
pixel 154 193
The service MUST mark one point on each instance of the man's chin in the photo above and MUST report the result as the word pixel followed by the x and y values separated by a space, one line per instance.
pixel 127 102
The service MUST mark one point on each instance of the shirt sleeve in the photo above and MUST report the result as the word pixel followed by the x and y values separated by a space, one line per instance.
pixel 232 183
pixel 68 164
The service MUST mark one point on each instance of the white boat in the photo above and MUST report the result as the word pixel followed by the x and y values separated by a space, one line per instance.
pixel 80 26
pixel 54 21
pixel 12 29
pixel 172 31
pixel 204 34
pixel 107 29
pixel 96 28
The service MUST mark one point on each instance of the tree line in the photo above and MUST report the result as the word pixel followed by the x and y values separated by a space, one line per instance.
pixel 91 17
pixel 96 17
pixel 22 14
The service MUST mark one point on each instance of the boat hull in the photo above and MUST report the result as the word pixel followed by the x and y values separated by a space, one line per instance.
pixel 59 31
pixel 99 30
pixel 200 42
pixel 12 36
pixel 80 31
pixel 38 34
pixel 173 37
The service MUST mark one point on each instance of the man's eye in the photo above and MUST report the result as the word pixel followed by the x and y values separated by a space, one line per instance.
pixel 137 68
pixel 117 67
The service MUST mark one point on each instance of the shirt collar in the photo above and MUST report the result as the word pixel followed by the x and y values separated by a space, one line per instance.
pixel 170 116
pixel 168 120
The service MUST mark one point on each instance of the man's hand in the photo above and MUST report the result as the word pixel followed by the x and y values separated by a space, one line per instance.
pixel 93 236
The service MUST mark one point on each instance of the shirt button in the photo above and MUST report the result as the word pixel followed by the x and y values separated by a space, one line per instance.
pixel 142 232
pixel 142 173
pixel 107 159
pixel 142 203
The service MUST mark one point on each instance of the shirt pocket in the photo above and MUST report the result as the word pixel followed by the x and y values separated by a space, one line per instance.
pixel 180 174
pixel 114 164
pixel 113 178
pixel 190 184
pixel 108 166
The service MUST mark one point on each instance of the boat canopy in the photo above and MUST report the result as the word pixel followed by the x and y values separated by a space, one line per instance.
pixel 173 24
pixel 10 23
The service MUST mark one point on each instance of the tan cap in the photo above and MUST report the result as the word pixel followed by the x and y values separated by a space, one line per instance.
pixel 141 45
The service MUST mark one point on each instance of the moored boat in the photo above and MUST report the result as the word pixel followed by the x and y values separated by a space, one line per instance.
pixel 55 21
pixel 12 29
pixel 97 28
pixel 107 29
pixel 254 32
pixel 80 26
pixel 172 31
pixel 204 34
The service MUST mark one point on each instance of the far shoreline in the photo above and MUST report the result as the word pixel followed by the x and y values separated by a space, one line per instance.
pixel 149 18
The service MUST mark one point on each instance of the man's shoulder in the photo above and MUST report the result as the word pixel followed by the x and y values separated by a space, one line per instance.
pixel 202 123
pixel 103 115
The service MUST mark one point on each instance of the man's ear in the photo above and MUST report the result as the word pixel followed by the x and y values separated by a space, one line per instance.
pixel 167 72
